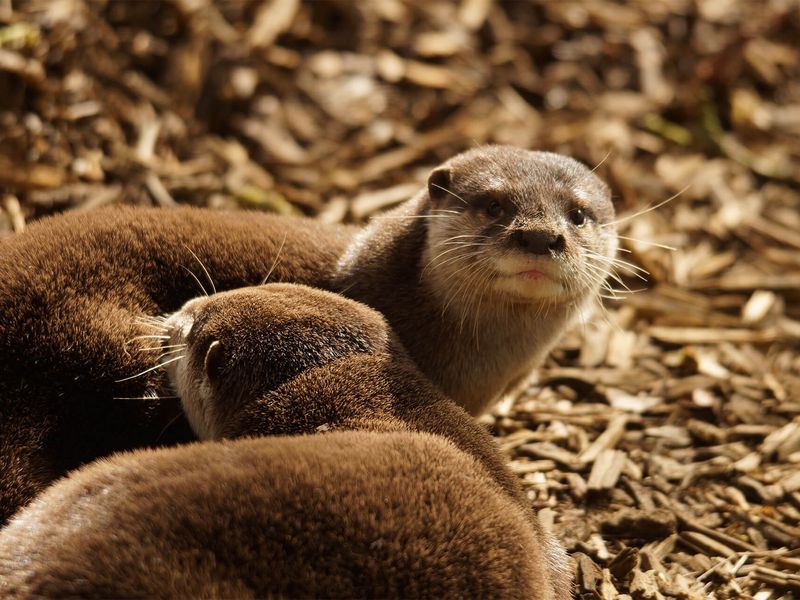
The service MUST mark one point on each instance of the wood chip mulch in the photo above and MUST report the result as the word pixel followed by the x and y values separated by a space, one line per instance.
pixel 662 438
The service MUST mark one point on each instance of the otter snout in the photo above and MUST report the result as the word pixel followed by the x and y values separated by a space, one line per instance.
pixel 179 323
pixel 539 242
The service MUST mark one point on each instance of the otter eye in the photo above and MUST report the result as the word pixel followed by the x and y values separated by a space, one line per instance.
pixel 215 359
pixel 495 209
pixel 578 217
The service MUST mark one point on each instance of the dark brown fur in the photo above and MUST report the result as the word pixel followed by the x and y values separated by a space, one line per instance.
pixel 339 515
pixel 73 285
pixel 389 510
pixel 293 359
pixel 71 289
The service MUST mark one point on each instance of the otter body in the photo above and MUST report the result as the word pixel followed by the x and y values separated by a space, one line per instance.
pixel 74 288
pixel 399 494
pixel 339 515
pixel 483 271
pixel 479 275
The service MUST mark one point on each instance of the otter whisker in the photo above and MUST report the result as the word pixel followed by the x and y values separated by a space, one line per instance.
pixel 656 244
pixel 606 273
pixel 593 276
pixel 158 366
pixel 456 247
pixel 205 293
pixel 151 321
pixel 598 275
pixel 170 422
pixel 444 189
pixel 597 166
pixel 646 210
pixel 151 318
pixel 153 397
pixel 275 261
pixel 467 256
pixel 174 351
pixel 471 236
pixel 383 217
pixel 484 268
pixel 148 337
pixel 202 266
pixel 633 269
pixel 163 347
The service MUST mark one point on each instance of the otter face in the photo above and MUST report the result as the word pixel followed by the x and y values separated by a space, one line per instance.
pixel 243 343
pixel 523 225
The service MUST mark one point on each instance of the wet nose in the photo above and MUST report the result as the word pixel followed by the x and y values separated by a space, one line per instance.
pixel 540 242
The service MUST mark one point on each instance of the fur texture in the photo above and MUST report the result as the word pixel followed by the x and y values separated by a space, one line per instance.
pixel 292 359
pixel 74 285
pixel 73 288
pixel 474 305
pixel 339 515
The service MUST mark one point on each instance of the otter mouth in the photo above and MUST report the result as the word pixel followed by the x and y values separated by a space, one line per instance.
pixel 533 275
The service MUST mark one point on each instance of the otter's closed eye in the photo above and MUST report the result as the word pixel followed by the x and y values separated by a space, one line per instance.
pixel 494 209
pixel 215 359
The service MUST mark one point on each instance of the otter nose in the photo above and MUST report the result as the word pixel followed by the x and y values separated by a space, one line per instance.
pixel 540 242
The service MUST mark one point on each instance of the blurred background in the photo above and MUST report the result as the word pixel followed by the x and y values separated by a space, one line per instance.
pixel 681 401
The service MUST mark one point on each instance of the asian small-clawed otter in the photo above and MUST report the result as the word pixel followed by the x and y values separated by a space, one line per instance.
pixel 483 271
pixel 335 515
pixel 402 495
pixel 478 274
pixel 76 353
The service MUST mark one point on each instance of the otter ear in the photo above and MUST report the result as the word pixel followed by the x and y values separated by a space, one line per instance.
pixel 215 359
pixel 439 184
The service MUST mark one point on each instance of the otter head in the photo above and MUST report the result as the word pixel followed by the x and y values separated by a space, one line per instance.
pixel 241 344
pixel 521 225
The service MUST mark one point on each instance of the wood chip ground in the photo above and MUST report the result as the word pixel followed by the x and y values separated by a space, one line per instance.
pixel 661 440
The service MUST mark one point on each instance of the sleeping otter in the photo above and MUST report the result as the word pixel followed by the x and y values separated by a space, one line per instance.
pixel 337 515
pixel 402 495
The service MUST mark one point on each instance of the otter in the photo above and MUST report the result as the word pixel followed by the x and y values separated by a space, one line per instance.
pixel 286 359
pixel 483 271
pixel 76 302
pixel 478 275
pixel 347 514
pixel 392 460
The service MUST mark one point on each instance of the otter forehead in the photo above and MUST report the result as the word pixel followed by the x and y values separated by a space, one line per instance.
pixel 534 181
pixel 279 302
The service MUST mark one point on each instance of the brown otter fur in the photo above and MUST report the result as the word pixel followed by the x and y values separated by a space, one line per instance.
pixel 73 287
pixel 482 272
pixel 390 510
pixel 338 515
pixel 288 359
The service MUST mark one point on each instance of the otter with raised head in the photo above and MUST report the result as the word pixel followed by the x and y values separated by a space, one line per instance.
pixel 482 272
pixel 478 274
pixel 417 502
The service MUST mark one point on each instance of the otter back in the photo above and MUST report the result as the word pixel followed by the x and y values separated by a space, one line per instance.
pixel 340 515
